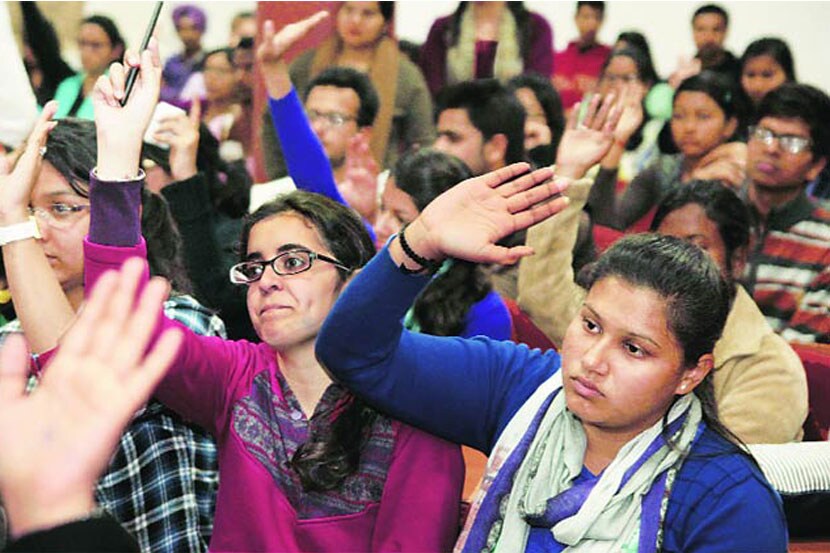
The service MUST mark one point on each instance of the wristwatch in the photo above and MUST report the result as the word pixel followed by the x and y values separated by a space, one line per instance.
pixel 19 231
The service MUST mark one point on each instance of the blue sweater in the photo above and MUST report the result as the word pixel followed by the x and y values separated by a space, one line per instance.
pixel 311 171
pixel 467 390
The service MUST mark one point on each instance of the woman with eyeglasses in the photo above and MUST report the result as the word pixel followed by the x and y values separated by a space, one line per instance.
pixel 704 121
pixel 44 260
pixel 100 43
pixel 305 465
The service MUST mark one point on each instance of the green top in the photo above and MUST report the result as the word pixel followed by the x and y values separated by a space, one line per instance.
pixel 68 92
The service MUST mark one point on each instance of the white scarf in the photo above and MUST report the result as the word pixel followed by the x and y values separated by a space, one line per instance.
pixel 461 58
pixel 609 518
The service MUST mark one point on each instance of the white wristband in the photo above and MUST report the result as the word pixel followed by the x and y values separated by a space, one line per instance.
pixel 19 231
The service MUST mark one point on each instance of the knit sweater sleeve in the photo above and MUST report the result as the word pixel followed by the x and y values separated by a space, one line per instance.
pixel 463 390
pixel 205 369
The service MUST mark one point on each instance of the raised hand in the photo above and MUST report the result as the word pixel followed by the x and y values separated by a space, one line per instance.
pixel 16 186
pixel 585 144
pixel 686 67
pixel 360 186
pixel 467 220
pixel 631 116
pixel 56 441
pixel 726 163
pixel 181 133
pixel 120 129
pixel 271 52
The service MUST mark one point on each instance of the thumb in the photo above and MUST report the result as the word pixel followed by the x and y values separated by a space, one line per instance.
pixel 195 114
pixel 14 365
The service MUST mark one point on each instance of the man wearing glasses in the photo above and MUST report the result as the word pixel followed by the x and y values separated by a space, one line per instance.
pixel 788 273
pixel 341 105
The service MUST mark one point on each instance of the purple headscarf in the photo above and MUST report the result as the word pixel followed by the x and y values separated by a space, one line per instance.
pixel 194 13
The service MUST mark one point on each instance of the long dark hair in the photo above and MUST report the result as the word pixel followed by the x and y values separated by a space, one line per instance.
pixel 72 150
pixel 336 434
pixel 442 307
pixel 697 295
pixel 775 48
pixel 551 103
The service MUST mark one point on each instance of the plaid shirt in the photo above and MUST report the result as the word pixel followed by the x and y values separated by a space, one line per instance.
pixel 161 483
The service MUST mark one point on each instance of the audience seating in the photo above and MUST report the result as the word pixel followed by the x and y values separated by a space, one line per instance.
pixel 525 330
pixel 816 360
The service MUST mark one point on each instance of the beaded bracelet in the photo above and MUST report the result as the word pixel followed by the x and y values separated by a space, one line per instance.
pixel 426 264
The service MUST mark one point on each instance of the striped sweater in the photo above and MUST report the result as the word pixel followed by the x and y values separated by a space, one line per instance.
pixel 788 273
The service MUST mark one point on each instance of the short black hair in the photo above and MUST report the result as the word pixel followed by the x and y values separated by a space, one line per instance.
pixel 721 205
pixel 805 102
pixel 492 109
pixel 599 6
pixel 712 8
pixel 346 77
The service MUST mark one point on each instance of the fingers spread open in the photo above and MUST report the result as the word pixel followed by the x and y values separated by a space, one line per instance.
pixel 539 212
pixel 503 175
pixel 142 381
pixel 119 308
pixel 525 182
pixel 80 335
pixel 140 324
pixel 602 115
pixel 540 192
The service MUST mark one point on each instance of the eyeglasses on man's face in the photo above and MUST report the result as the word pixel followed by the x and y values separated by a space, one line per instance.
pixel 790 143
pixel 58 215
pixel 287 263
pixel 331 118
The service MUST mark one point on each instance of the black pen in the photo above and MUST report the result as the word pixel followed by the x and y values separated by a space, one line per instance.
pixel 133 73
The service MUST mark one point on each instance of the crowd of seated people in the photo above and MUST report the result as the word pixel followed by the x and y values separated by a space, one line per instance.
pixel 299 361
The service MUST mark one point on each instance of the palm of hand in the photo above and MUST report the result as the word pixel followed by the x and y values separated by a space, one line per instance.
pixel 480 216
pixel 583 147
pixel 65 426
pixel 630 121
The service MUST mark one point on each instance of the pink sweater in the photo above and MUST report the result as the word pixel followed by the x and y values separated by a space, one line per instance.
pixel 233 389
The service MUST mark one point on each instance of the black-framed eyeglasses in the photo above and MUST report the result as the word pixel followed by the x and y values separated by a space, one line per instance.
pixel 790 143
pixel 287 263
pixel 333 118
